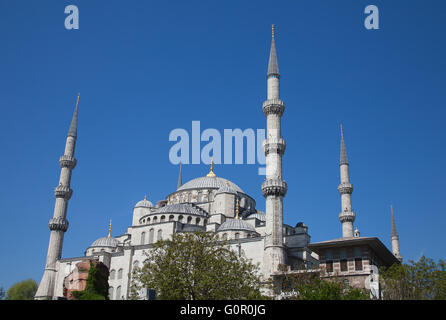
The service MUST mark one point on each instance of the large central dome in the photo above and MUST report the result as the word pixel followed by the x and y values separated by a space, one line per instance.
pixel 209 183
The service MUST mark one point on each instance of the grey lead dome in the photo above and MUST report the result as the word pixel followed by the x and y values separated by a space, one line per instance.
pixel 105 242
pixel 209 183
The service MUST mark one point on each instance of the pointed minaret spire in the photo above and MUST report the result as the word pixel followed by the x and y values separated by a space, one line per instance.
pixel 395 238
pixel 343 157
pixel 73 127
pixel 180 183
pixel 273 65
pixel 347 216
pixel 58 225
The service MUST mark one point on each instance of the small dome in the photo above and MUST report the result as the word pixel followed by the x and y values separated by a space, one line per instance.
pixel 236 224
pixel 105 242
pixel 258 215
pixel 144 204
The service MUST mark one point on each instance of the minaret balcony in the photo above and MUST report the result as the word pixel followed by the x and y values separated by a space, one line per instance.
pixel 347 216
pixel 271 145
pixel 274 187
pixel 273 106
pixel 58 224
pixel 63 192
pixel 67 162
pixel 345 188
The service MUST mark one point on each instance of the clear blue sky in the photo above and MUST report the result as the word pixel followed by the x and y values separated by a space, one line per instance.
pixel 144 68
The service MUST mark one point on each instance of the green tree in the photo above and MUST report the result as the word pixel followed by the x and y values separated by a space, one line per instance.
pixel 23 290
pixel 308 285
pixel 2 293
pixel 196 266
pixel 421 280
pixel 96 287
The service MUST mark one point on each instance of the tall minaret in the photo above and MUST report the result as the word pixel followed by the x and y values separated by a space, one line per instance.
pixel 347 216
pixel 58 224
pixel 395 239
pixel 273 188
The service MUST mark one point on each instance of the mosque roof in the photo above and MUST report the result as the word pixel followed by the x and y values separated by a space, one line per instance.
pixel 236 224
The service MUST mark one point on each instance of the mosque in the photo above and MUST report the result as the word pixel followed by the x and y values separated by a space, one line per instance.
pixel 215 204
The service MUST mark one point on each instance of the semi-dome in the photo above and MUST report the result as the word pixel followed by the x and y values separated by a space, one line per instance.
pixel 236 225
pixel 209 182
pixel 144 203
pixel 105 242
pixel 258 215
pixel 184 208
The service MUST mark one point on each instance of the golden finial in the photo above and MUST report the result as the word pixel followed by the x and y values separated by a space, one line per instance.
pixel 236 209
pixel 273 31
pixel 145 197
pixel 109 229
pixel 211 172
pixel 342 132
pixel 77 102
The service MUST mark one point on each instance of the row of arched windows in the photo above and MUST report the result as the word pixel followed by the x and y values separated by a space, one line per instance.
pixel 113 274
pixel 181 219
pixel 151 236
pixel 224 236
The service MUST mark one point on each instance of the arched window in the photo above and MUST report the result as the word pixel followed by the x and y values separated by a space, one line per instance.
pixel 118 293
pixel 148 220
pixel 171 218
pixel 180 219
pixel 136 264
pixel 110 293
pixel 197 221
pixel 112 274
pixel 163 218
pixel 160 235
pixel 189 219
pixel 155 219
pixel 237 235
pixel 225 236
pixel 151 234
pixel 120 273
pixel 143 238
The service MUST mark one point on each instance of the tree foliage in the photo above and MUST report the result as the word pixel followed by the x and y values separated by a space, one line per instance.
pixel 23 290
pixel 421 280
pixel 96 288
pixel 197 266
pixel 2 293
pixel 308 285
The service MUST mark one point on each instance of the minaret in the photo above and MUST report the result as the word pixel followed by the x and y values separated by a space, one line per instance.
pixel 395 239
pixel 273 188
pixel 58 224
pixel 347 216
